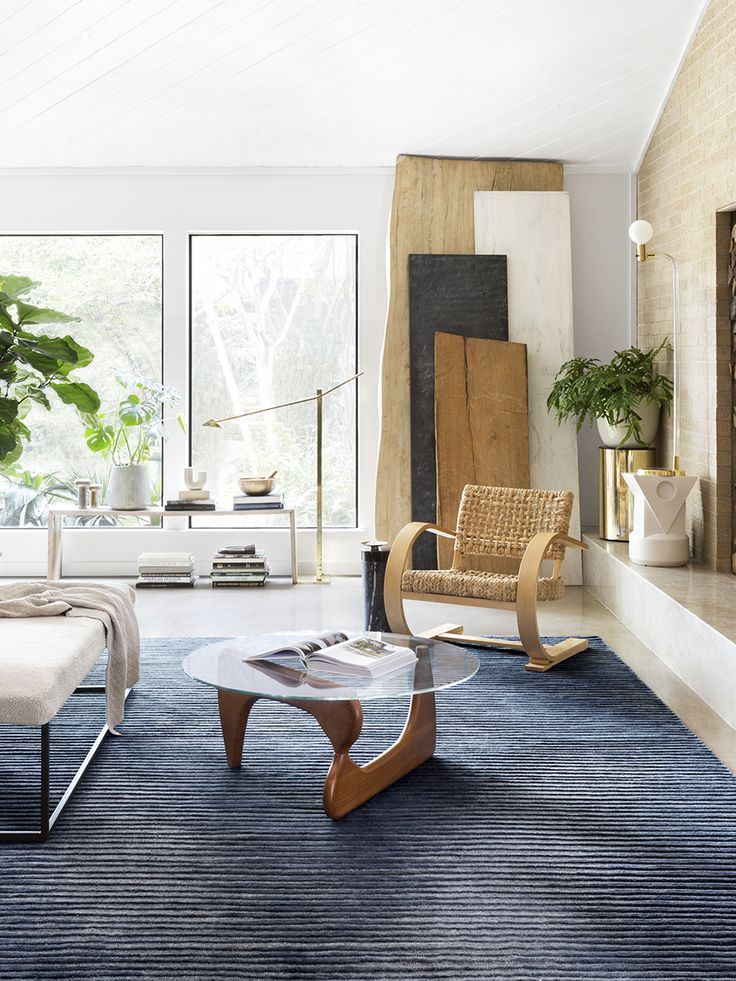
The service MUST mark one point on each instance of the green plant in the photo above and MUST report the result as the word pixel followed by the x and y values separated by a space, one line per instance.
pixel 584 388
pixel 34 365
pixel 128 431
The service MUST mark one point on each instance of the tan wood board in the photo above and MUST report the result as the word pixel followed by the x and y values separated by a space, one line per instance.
pixel 481 424
pixel 432 212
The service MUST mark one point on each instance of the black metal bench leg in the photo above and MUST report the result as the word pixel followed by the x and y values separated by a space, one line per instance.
pixel 48 820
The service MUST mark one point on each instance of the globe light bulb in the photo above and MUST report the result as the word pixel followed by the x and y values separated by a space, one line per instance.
pixel 640 231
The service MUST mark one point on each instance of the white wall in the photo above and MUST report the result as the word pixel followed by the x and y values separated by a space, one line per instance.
pixel 176 204
pixel 603 267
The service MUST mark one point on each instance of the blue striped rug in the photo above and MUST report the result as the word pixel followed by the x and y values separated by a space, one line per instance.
pixel 569 828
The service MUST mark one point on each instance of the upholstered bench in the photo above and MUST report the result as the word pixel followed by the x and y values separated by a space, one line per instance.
pixel 43 661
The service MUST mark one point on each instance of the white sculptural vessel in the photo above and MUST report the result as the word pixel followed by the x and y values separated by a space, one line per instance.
pixel 659 537
pixel 195 481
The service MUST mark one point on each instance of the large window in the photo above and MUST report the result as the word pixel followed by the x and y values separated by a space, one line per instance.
pixel 114 284
pixel 273 319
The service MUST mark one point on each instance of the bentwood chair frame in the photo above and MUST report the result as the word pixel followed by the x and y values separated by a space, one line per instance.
pixel 502 523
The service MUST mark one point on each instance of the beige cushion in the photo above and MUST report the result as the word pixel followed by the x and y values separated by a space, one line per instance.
pixel 475 585
pixel 42 661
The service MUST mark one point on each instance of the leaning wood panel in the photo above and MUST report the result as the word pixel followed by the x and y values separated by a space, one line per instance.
pixel 432 212
pixel 481 422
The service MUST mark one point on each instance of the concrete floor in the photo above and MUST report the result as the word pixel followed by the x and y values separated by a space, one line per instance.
pixel 207 612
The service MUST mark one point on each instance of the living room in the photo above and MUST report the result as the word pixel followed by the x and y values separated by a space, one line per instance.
pixel 464 339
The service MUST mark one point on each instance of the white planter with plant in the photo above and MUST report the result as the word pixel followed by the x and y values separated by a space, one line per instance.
pixel 127 433
pixel 624 397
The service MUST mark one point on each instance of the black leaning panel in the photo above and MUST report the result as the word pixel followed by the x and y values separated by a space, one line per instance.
pixel 455 294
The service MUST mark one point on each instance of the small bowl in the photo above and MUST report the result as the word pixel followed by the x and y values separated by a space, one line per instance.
pixel 256 486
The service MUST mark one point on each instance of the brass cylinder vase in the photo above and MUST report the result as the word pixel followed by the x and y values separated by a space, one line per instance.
pixel 616 502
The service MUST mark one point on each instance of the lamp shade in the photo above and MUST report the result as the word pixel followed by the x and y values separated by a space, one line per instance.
pixel 640 231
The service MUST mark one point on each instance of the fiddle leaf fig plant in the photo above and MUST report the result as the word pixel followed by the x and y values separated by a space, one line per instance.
pixel 584 388
pixel 34 366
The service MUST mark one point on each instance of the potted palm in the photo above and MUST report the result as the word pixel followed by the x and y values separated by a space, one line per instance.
pixel 127 432
pixel 624 397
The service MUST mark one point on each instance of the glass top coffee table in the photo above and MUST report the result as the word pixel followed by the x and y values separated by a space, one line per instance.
pixel 335 702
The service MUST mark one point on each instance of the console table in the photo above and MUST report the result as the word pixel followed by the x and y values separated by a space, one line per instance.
pixel 57 515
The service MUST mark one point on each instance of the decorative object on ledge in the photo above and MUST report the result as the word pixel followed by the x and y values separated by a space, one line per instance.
pixel 320 578
pixel 532 228
pixel 431 211
pixel 463 295
pixel 83 487
pixel 257 486
pixel 615 501
pixel 641 232
pixel 659 537
pixel 374 556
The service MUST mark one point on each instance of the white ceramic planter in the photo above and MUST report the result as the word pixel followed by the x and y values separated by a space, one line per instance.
pixel 130 488
pixel 649 412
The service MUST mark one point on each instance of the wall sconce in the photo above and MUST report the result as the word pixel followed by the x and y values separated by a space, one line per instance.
pixel 659 537
pixel 641 232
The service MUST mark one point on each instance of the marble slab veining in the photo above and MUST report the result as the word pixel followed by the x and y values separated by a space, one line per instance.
pixel 532 229
pixel 454 294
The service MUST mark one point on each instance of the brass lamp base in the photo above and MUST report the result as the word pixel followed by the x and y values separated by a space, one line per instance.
pixel 615 500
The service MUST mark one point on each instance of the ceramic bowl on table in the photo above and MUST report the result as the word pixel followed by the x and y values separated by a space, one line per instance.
pixel 256 486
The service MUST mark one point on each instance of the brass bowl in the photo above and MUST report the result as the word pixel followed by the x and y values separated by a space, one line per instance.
pixel 256 486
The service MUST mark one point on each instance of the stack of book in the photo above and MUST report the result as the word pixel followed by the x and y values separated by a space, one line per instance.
pixel 239 565
pixel 191 504
pixel 165 570
pixel 261 502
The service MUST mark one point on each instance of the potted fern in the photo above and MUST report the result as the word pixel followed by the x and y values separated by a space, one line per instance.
pixel 624 397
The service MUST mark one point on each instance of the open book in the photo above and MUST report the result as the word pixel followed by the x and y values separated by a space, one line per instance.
pixel 335 652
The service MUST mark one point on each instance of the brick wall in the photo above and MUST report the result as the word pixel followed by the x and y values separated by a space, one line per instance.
pixel 687 176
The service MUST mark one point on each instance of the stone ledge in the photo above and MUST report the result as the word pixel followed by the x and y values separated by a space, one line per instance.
pixel 686 616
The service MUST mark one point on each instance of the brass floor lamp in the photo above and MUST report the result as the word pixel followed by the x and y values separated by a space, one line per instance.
pixel 320 578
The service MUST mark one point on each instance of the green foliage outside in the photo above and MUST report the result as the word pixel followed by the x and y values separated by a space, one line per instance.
pixel 33 365
pixel 585 388
pixel 113 284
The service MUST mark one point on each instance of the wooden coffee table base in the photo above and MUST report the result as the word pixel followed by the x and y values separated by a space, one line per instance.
pixel 348 785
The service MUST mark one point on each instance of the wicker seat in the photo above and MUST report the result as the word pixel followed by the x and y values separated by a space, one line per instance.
pixel 476 585
pixel 505 524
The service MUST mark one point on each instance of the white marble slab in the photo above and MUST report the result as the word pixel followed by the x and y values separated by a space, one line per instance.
pixel 532 228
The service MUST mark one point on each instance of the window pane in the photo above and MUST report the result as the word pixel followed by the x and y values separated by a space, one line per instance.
pixel 274 319
pixel 113 283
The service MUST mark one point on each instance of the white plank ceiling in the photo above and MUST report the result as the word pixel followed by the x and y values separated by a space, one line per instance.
pixel 332 83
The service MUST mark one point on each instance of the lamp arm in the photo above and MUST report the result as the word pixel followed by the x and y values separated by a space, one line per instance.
pixel 676 360
pixel 283 405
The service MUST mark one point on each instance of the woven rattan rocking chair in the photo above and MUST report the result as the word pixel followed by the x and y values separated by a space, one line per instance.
pixel 505 522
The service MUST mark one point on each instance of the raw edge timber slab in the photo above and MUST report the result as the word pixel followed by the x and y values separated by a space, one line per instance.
pixel 482 422
pixel 432 211
pixel 460 294
pixel 533 230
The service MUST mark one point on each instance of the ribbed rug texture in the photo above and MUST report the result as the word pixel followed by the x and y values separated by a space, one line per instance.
pixel 569 828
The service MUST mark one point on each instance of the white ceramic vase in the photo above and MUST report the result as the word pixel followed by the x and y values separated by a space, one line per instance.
pixel 659 535
pixel 649 412
pixel 130 487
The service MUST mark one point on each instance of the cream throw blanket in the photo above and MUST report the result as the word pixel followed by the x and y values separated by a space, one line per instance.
pixel 111 605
